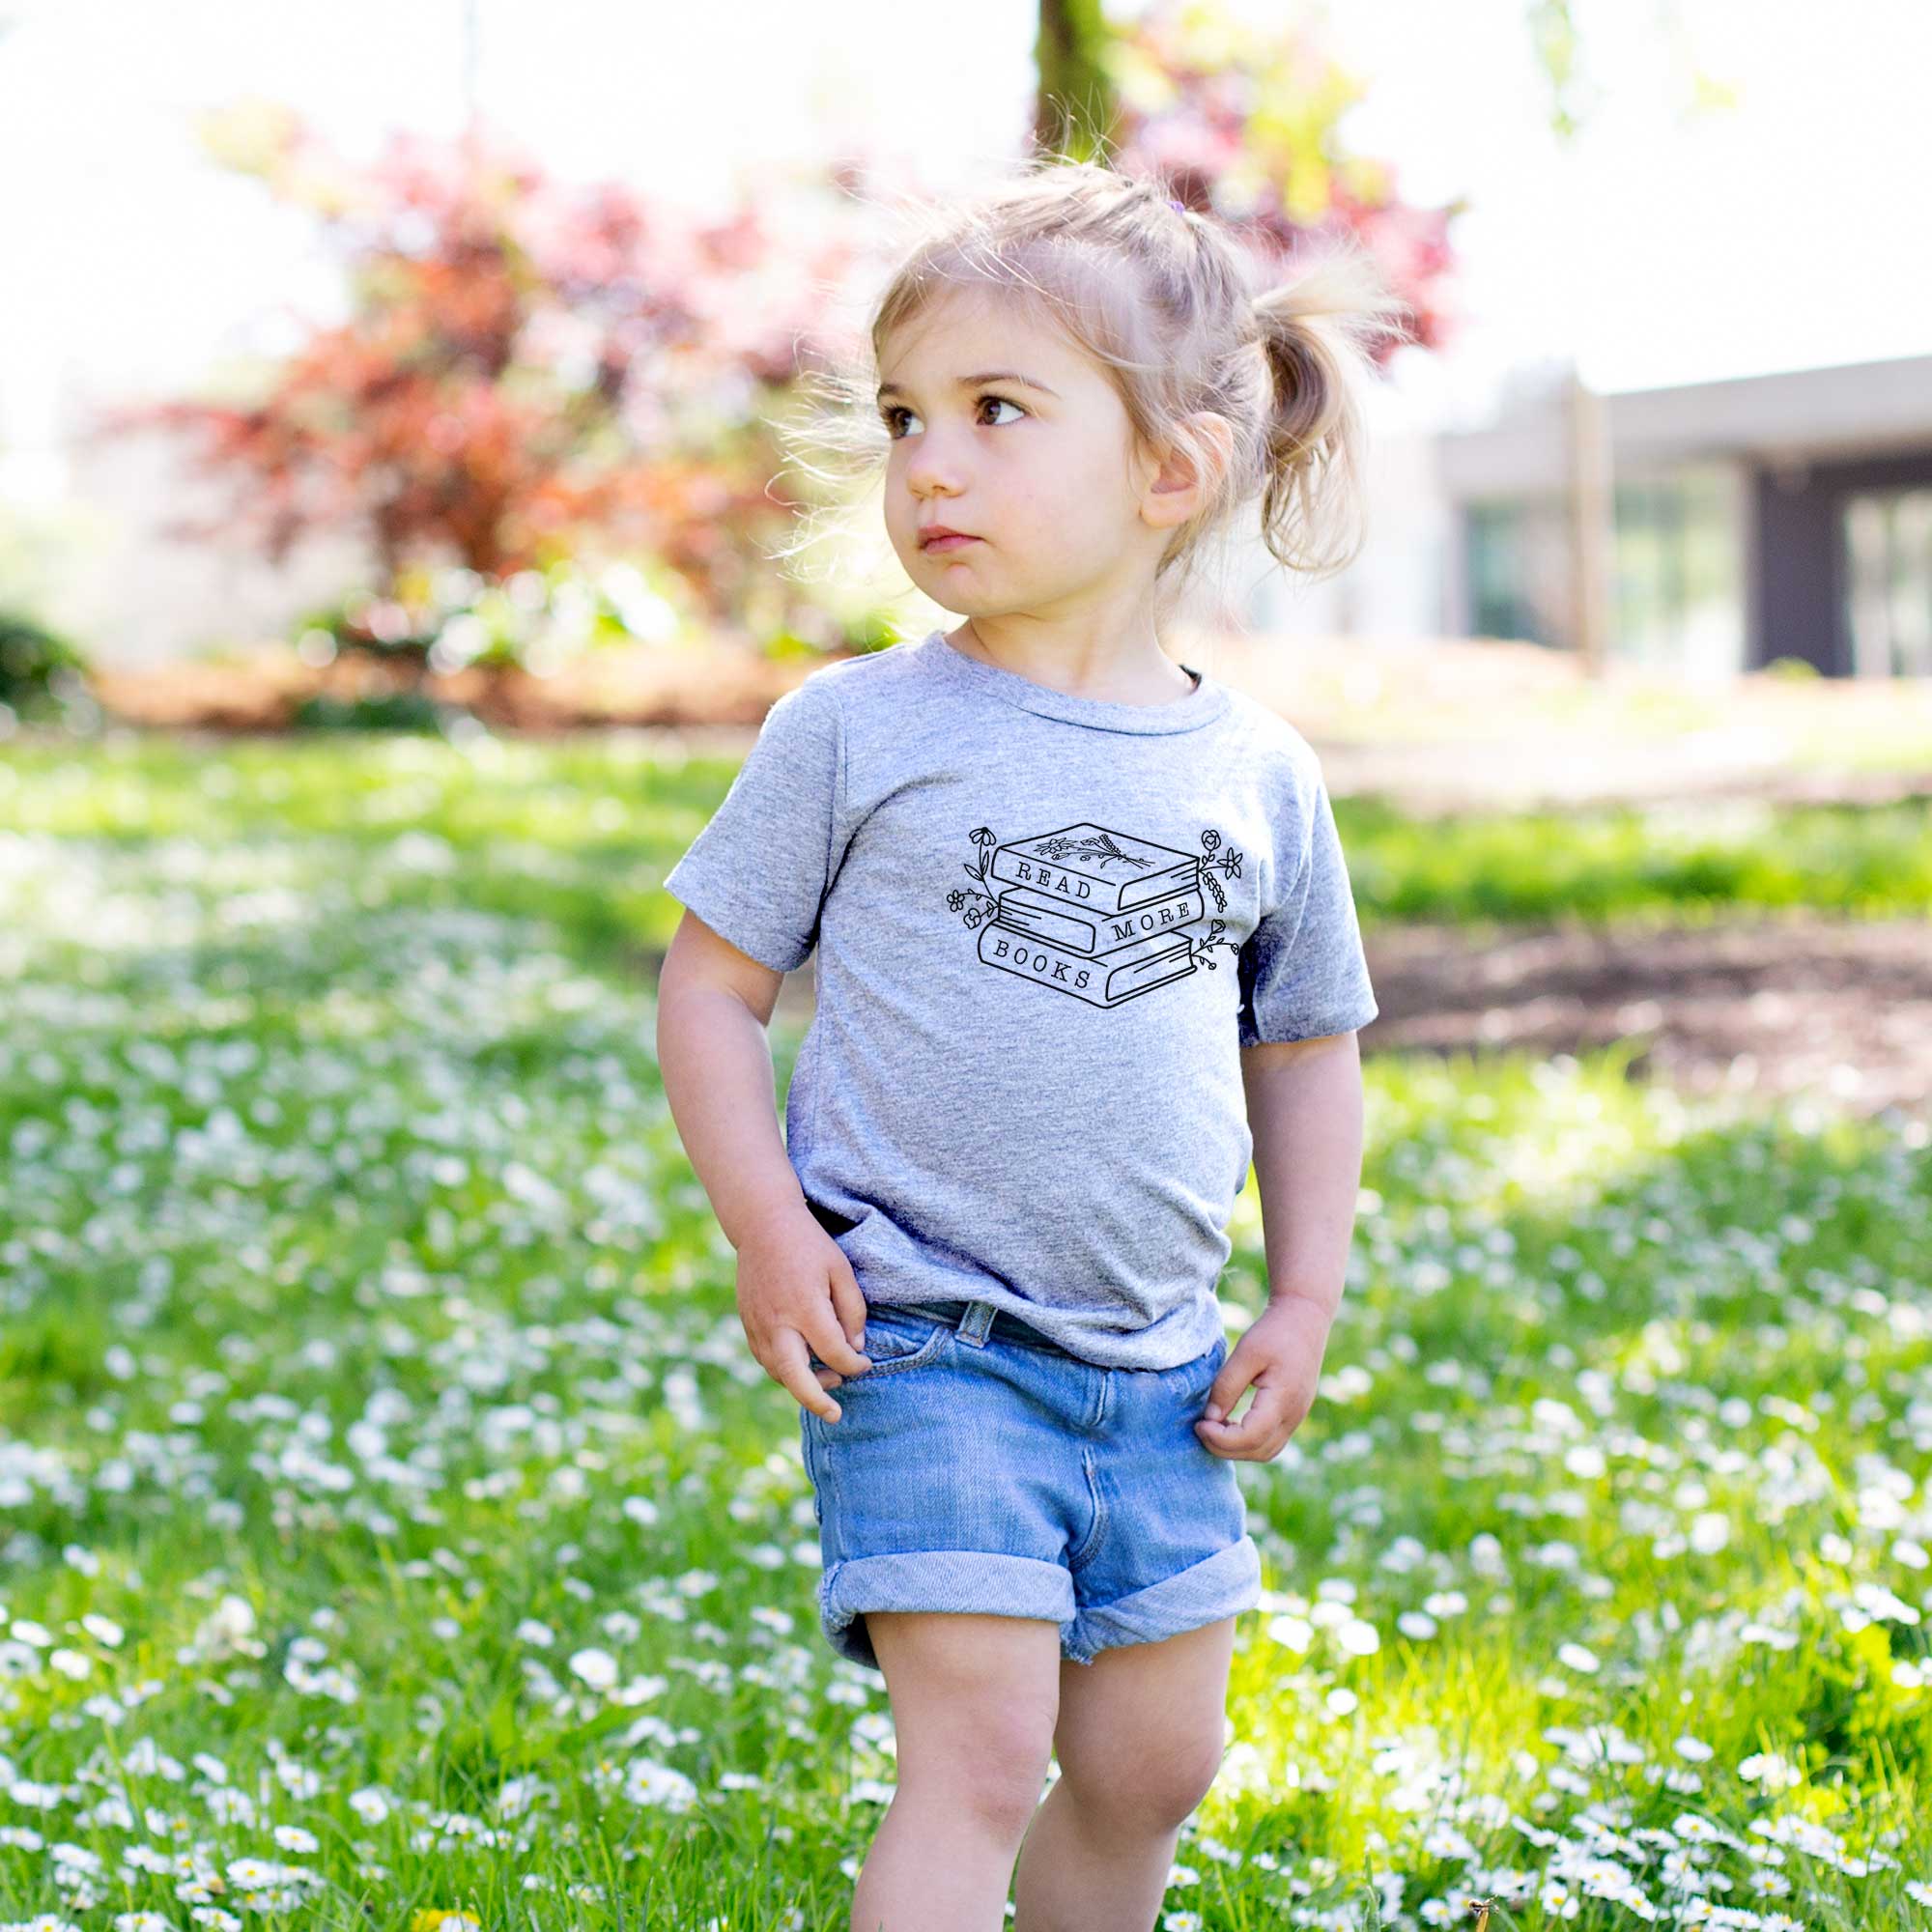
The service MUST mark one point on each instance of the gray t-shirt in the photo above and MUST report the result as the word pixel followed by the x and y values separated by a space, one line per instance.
pixel 1046 928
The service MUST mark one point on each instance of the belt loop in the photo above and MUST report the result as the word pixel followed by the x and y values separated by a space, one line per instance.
pixel 976 1322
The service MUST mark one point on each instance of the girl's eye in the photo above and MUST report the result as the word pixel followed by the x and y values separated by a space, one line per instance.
pixel 892 416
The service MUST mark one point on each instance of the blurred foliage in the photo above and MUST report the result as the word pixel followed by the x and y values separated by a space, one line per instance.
pixel 374 711
pixel 1244 122
pixel 1576 94
pixel 528 371
pixel 534 620
pixel 43 675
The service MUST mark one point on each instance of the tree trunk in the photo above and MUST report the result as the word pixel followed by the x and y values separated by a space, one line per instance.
pixel 1075 110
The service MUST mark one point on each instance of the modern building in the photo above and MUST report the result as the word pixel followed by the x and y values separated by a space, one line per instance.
pixel 1764 516
pixel 1759 518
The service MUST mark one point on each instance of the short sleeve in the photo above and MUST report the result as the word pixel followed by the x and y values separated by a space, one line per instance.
pixel 758 871
pixel 1302 971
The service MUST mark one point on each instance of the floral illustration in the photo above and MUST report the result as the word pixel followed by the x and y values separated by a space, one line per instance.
pixel 1229 864
pixel 976 904
pixel 1102 850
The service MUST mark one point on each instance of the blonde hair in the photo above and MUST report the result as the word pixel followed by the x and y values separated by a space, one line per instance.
pixel 1184 317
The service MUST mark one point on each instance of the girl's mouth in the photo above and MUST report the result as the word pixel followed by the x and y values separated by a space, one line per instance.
pixel 947 543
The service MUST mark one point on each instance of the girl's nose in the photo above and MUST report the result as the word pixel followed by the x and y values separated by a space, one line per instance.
pixel 932 465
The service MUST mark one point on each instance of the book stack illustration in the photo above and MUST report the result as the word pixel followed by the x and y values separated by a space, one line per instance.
pixel 1096 914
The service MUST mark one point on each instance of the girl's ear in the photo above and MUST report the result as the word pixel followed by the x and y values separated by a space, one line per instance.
pixel 1176 492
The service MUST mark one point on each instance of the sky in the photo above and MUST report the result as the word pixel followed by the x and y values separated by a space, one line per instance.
pixel 1657 251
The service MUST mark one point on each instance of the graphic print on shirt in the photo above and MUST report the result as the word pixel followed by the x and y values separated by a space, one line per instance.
pixel 1101 916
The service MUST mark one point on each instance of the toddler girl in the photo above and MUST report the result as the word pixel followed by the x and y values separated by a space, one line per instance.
pixel 1085 948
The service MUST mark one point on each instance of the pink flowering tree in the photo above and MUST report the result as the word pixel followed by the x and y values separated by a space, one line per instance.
pixel 1245 121
pixel 525 369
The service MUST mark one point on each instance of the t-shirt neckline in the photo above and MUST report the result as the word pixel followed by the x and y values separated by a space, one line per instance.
pixel 1206 701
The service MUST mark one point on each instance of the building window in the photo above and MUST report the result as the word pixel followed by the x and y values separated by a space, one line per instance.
pixel 1887 544
pixel 1679 591
pixel 1516 560
pixel 1678 595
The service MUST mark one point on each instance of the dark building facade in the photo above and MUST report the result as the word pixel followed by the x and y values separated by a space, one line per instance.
pixel 1767 517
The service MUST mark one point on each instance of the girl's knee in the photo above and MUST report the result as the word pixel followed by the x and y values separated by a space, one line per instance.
pixel 974 1700
pixel 1188 1780
pixel 990 1772
pixel 1155 1792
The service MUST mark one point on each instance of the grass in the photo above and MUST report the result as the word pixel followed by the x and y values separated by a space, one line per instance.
pixel 393 1523
pixel 1677 864
pixel 581 832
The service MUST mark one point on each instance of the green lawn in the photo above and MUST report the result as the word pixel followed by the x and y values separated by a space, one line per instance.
pixel 393 1521
pixel 579 833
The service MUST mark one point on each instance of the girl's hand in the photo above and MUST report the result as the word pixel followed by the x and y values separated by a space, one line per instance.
pixel 798 1297
pixel 1281 1356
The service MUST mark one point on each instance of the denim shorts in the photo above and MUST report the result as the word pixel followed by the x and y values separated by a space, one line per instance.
pixel 980 1467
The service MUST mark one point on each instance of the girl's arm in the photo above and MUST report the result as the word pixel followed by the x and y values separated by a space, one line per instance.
pixel 796 1290
pixel 1305 1113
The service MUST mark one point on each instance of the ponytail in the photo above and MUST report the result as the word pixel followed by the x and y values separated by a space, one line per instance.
pixel 1314 333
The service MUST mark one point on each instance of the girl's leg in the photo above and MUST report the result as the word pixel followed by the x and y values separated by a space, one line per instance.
pixel 1140 1738
pixel 974 1702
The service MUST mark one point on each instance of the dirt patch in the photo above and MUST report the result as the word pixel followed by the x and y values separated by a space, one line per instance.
pixel 1442 724
pixel 1434 724
pixel 672 687
pixel 1838 1010
pixel 1434 781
